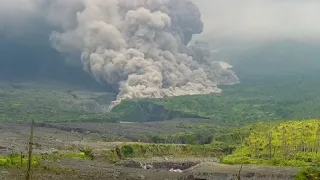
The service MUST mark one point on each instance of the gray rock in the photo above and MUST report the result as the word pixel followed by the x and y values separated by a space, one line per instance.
pixel 4 173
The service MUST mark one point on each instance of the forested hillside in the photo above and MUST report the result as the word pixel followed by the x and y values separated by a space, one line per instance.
pixel 279 81
pixel 293 143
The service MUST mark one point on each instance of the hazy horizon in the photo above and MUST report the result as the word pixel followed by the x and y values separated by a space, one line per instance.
pixel 261 20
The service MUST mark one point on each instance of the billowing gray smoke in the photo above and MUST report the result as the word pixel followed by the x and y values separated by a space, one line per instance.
pixel 139 45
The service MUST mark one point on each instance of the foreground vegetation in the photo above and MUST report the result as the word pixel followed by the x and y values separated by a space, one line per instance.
pixel 294 143
pixel 163 150
pixel 16 160
pixel 309 174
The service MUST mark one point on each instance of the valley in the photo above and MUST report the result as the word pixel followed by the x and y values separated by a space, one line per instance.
pixel 205 136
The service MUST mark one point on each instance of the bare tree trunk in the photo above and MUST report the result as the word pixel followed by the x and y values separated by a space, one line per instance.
pixel 239 174
pixel 241 143
pixel 21 159
pixel 284 145
pixel 270 145
pixel 317 148
pixel 255 146
pixel 28 174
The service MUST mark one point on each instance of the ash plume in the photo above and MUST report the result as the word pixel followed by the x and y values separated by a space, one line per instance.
pixel 141 46
pixel 138 44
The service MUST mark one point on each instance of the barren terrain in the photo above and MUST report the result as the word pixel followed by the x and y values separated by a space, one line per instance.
pixel 61 138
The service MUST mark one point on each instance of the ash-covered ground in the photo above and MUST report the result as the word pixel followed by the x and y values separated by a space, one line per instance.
pixel 60 138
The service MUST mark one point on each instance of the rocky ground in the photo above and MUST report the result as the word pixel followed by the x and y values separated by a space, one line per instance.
pixel 14 138
pixel 87 170
pixel 62 136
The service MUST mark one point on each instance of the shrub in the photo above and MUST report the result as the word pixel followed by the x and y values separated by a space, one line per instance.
pixel 308 174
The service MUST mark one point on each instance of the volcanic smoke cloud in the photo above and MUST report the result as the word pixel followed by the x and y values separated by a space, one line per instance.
pixel 141 46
